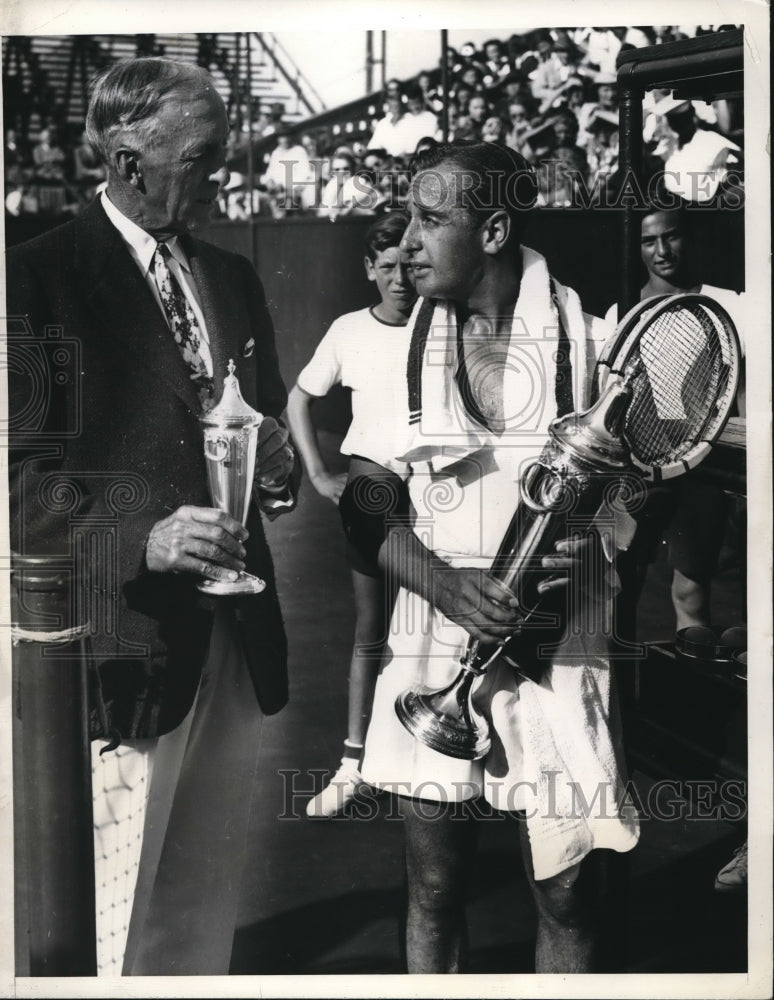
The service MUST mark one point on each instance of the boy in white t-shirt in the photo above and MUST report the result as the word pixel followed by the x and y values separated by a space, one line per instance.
pixel 365 351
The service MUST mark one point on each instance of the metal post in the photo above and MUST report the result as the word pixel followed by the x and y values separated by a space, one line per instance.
pixel 84 82
pixel 54 881
pixel 250 160
pixel 236 95
pixel 369 64
pixel 444 87
pixel 250 180
pixel 71 71
pixel 631 160
pixel 384 59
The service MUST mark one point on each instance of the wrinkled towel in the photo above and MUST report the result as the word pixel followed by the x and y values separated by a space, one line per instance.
pixel 438 429
pixel 581 801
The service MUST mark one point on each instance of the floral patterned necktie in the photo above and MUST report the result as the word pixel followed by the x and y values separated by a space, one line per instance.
pixel 184 325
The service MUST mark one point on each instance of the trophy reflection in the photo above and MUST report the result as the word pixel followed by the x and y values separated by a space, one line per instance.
pixel 230 444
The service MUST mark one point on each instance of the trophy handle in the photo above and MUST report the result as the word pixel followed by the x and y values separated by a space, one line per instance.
pixel 552 487
pixel 216 449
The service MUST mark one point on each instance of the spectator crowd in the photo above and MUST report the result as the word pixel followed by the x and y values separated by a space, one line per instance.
pixel 549 94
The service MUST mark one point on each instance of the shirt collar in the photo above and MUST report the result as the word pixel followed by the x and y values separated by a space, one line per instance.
pixel 141 244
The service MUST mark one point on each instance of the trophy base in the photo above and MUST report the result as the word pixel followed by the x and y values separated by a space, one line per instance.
pixel 245 584
pixel 451 736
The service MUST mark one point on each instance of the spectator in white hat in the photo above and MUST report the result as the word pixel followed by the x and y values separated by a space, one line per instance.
pixel 698 164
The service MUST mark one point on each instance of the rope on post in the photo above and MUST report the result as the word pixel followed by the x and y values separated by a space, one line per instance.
pixel 60 638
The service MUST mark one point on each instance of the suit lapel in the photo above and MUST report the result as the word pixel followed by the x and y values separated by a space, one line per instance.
pixel 127 311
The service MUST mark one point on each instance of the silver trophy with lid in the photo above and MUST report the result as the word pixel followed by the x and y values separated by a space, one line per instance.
pixel 230 444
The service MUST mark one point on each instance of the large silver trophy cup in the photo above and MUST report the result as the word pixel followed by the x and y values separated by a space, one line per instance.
pixel 584 451
pixel 230 444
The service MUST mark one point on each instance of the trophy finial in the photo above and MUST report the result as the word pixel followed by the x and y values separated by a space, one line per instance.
pixel 232 410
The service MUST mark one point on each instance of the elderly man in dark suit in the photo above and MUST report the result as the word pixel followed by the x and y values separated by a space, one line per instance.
pixel 155 316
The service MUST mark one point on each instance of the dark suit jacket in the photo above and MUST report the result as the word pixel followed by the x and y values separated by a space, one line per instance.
pixel 106 442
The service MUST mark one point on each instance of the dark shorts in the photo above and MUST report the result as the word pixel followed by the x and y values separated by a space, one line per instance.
pixel 697 528
pixel 367 503
pixel 690 519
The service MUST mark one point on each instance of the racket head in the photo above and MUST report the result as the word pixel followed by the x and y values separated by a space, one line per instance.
pixel 680 354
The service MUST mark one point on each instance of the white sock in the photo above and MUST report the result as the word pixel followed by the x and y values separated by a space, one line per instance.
pixel 351 763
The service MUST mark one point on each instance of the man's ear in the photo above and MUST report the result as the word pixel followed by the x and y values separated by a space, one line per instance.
pixel 128 168
pixel 495 232
pixel 369 269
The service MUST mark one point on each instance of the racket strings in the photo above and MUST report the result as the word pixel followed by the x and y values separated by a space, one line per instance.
pixel 682 371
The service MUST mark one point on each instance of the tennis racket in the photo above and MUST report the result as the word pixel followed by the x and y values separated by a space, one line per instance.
pixel 681 356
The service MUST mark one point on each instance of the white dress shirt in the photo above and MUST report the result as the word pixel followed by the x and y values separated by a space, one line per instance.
pixel 142 247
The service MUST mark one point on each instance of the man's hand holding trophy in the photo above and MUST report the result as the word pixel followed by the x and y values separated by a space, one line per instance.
pixel 241 447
